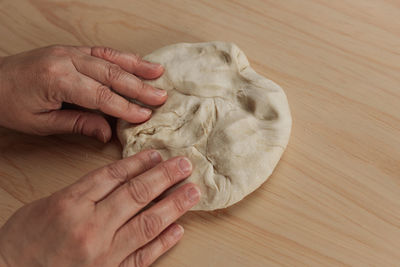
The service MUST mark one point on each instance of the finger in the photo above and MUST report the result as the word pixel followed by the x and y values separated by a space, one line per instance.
pixel 132 63
pixel 79 122
pixel 151 222
pixel 146 255
pixel 84 49
pixel 130 198
pixel 121 81
pixel 88 93
pixel 99 183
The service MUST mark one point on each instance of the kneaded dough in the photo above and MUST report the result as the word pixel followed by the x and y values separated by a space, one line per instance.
pixel 232 123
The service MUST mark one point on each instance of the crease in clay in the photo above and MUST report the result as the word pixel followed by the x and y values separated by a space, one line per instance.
pixel 235 140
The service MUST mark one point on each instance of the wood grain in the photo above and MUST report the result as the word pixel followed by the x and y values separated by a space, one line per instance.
pixel 333 200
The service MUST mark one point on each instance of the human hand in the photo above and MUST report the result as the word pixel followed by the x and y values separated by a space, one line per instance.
pixel 98 221
pixel 34 84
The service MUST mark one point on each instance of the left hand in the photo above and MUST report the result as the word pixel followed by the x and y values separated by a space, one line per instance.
pixel 34 84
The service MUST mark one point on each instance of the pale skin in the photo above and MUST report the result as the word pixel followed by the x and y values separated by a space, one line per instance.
pixel 99 220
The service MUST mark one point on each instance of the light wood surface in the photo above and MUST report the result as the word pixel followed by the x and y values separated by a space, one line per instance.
pixel 334 198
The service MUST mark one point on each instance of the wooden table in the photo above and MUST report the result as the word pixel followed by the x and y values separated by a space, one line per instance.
pixel 334 198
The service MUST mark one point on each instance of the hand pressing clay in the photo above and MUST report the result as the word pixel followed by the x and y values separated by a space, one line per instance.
pixel 232 123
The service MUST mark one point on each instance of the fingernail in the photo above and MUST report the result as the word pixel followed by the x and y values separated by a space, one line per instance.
pixel 145 111
pixel 159 92
pixel 155 157
pixel 177 231
pixel 153 64
pixel 184 165
pixel 193 194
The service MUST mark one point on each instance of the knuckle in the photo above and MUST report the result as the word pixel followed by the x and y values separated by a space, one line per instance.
pixel 50 62
pixel 108 52
pixel 80 234
pixel 137 61
pixel 136 89
pixel 61 204
pixel 128 107
pixel 143 163
pixel 80 239
pixel 58 50
pixel 79 122
pixel 142 86
pixel 167 173
pixel 139 192
pixel 150 225
pixel 41 131
pixel 49 67
pixel 179 205
pixel 165 243
pixel 117 171
pixel 59 89
pixel 141 258
pixel 103 95
pixel 114 72
pixel 84 243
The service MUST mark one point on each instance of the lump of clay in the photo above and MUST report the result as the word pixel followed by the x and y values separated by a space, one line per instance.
pixel 232 123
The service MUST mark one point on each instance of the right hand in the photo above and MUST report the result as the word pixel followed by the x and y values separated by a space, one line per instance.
pixel 99 221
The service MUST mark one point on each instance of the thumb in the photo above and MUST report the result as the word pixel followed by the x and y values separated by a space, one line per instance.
pixel 79 122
